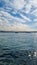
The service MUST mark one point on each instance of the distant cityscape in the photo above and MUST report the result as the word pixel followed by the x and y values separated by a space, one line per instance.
pixel 18 31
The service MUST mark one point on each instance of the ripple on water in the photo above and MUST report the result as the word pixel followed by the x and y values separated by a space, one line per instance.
pixel 18 57
pixel 18 49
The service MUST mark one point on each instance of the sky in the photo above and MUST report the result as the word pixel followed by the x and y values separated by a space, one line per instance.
pixel 18 15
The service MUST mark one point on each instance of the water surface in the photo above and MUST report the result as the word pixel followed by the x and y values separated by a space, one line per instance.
pixel 18 48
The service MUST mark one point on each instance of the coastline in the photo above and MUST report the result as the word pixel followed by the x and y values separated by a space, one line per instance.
pixel 18 31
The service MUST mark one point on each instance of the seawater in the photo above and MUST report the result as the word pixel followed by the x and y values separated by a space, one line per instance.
pixel 18 48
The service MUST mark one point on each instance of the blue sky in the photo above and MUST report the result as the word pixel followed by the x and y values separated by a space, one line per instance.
pixel 18 15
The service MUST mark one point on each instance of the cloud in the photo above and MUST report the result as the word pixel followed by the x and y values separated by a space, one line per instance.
pixel 35 23
pixel 9 17
pixel 34 12
pixel 16 15
pixel 20 27
pixel 9 22
pixel 28 8
pixel 25 17
pixel 30 5
pixel 18 4
pixel 33 2
pixel 16 27
pixel 35 19
pixel 14 4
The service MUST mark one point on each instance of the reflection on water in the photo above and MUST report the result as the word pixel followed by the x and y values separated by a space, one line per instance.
pixel 18 48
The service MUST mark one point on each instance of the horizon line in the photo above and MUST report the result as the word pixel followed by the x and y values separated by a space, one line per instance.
pixel 19 31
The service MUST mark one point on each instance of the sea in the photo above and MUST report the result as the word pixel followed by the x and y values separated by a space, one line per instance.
pixel 18 48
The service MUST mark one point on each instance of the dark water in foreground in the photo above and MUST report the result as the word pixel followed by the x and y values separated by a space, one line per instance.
pixel 18 48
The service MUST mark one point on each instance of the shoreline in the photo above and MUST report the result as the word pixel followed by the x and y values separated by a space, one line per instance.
pixel 18 31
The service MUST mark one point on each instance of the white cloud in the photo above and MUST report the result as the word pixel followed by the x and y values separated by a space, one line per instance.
pixel 35 23
pixel 33 2
pixel 18 7
pixel 16 25
pixel 18 4
pixel 25 17
pixel 34 12
pixel 10 17
pixel 28 7
pixel 21 27
pixel 35 19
